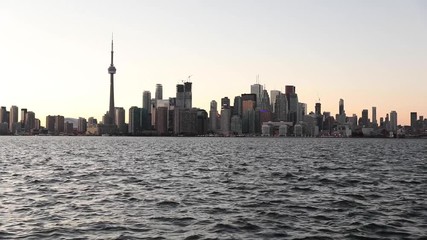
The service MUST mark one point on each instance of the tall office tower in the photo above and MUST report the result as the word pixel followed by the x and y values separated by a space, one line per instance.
pixel 353 121
pixel 120 119
pixel 160 103
pixel 237 106
pixel 393 121
pixel 159 92
pixel 68 127
pixel 179 96
pixel 225 103
pixel 413 120
pixel 184 96
pixel 111 71
pixel 59 124
pixel 302 110
pixel 318 109
pixel 365 119
pixel 202 122
pixel 248 102
pixel 188 97
pixel 50 124
pixel 162 120
pixel 341 107
pixel 213 116
pixel 292 98
pixel 265 101
pixel 146 100
pixel 30 121
pixel 135 120
pixel 13 118
pixel 37 124
pixel 341 117
pixel 225 121
pixel 258 91
pixel 23 115
pixel 318 113
pixel 3 115
pixel 248 110
pixel 82 125
pixel 281 107
pixel 273 96
pixel 387 122
pixel 374 116
pixel 293 108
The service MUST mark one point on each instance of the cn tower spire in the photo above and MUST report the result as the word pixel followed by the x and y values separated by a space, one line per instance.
pixel 112 50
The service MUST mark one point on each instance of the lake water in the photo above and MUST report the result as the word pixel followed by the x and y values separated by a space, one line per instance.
pixel 212 188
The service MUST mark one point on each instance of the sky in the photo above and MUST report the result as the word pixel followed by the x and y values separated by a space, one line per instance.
pixel 54 55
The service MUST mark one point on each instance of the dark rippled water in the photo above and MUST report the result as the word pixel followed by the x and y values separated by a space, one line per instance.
pixel 212 188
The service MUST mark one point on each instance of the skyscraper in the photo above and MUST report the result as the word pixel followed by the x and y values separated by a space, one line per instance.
pixel 188 96
pixel 59 124
pixel 30 121
pixel 50 124
pixel 318 109
pixel 23 117
pixel 225 121
pixel 184 96
pixel 374 116
pixel 258 91
pixel 237 106
pixel 265 101
pixel 82 125
pixel 3 115
pixel 13 118
pixel 249 103
pixel 111 71
pixel 365 119
pixel 120 119
pixel 213 113
pixel 341 117
pixel 159 92
pixel 281 107
pixel 146 100
pixel 413 120
pixel 273 96
pixel 393 121
pixel 292 98
pixel 341 107
pixel 135 124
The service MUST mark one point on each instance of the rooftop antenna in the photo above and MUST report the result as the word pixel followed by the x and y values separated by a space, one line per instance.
pixel 188 79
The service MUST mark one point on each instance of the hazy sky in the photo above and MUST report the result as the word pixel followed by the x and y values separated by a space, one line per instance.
pixel 54 54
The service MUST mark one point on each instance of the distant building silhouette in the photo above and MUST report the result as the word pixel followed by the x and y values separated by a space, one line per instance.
pixel 393 121
pixel 135 125
pixel 413 120
pixel 213 116
pixel 365 118
pixel 159 92
pixel 13 119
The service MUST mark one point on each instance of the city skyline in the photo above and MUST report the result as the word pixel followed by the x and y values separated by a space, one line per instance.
pixel 65 63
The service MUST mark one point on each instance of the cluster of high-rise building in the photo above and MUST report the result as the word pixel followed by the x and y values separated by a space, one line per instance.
pixel 255 113
pixel 11 123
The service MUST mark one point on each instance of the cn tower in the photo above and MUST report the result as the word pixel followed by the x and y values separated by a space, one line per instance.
pixel 112 71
